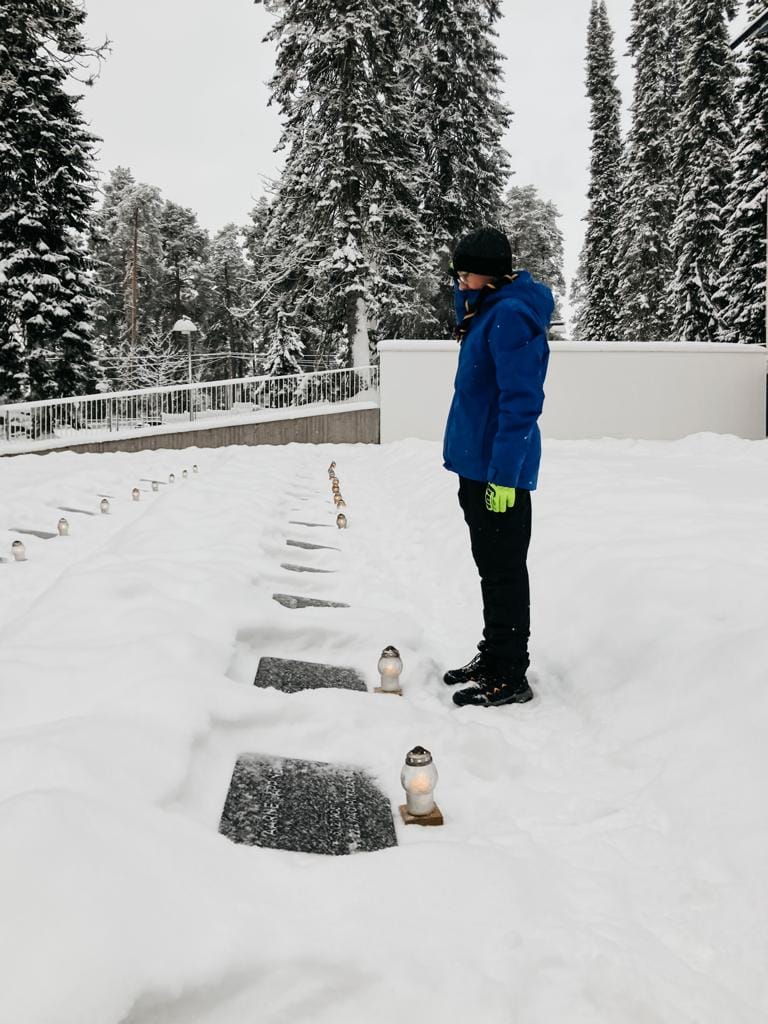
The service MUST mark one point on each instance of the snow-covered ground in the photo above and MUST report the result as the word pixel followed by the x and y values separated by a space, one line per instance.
pixel 604 855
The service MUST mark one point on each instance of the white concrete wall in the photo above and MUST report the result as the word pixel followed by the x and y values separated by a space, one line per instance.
pixel 656 391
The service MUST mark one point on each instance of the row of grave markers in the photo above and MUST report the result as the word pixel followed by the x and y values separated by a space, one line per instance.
pixel 311 806
pixel 303 805
pixel 19 549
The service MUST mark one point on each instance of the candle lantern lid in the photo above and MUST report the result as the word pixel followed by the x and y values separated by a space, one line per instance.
pixel 391 652
pixel 418 757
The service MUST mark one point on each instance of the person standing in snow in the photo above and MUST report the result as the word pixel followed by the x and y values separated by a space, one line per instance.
pixel 492 442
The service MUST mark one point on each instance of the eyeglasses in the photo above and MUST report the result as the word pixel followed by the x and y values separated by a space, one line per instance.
pixel 459 275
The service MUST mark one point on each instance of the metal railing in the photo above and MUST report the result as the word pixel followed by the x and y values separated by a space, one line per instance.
pixel 156 409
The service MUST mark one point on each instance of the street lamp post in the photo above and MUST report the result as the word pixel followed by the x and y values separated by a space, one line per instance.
pixel 186 328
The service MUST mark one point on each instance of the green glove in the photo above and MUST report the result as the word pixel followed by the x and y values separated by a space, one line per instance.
pixel 498 498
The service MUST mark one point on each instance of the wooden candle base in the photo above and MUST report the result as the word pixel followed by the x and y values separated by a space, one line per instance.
pixel 435 816
pixel 390 693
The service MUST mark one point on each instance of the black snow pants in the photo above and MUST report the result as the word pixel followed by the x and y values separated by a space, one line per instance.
pixel 500 549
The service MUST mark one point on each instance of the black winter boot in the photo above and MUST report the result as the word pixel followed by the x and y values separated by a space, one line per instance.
pixel 494 688
pixel 469 672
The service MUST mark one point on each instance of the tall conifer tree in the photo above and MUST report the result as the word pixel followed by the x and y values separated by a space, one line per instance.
pixel 127 243
pixel 742 293
pixel 704 149
pixel 229 297
pixel 530 223
pixel 47 290
pixel 184 244
pixel 462 121
pixel 597 315
pixel 345 243
pixel 649 194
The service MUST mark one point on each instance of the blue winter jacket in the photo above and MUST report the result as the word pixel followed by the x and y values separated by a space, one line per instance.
pixel 492 434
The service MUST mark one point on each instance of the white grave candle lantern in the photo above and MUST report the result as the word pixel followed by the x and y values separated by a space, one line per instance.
pixel 419 778
pixel 184 474
pixel 104 506
pixel 390 668
pixel 18 551
pixel 195 469
pixel 341 521
pixel 155 485
pixel 63 527
pixel 171 479
pixel 331 471
pixel 136 494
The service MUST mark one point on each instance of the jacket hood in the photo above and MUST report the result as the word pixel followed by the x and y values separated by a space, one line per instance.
pixel 536 297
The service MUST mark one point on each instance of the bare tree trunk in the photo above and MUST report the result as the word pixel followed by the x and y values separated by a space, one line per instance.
pixel 134 332
pixel 179 312
pixel 228 304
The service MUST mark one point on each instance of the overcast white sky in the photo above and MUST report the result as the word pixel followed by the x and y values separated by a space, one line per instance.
pixel 182 100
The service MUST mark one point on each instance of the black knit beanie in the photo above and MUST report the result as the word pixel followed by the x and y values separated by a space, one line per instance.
pixel 486 251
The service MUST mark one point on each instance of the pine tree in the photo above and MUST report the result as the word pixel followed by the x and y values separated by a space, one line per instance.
pixel 598 313
pixel 184 244
pixel 530 223
pixel 462 121
pixel 649 195
pixel 345 245
pixel 742 291
pixel 704 148
pixel 127 243
pixel 47 290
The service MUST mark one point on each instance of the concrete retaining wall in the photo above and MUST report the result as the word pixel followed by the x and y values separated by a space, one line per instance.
pixel 654 391
pixel 354 426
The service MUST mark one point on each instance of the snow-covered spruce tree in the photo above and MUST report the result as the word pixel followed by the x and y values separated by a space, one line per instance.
pixel 462 121
pixel 649 194
pixel 47 289
pixel 345 245
pixel 229 289
pixel 265 285
pixel 704 149
pixel 254 232
pixel 128 250
pixel 598 311
pixel 291 332
pixel 742 283
pixel 530 223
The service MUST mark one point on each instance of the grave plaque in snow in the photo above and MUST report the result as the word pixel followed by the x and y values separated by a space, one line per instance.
pixel 305 544
pixel 79 511
pixel 306 806
pixel 296 601
pixel 41 534
pixel 291 676
pixel 299 522
pixel 302 568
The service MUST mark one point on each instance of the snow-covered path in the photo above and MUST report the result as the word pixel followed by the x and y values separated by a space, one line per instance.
pixel 604 849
